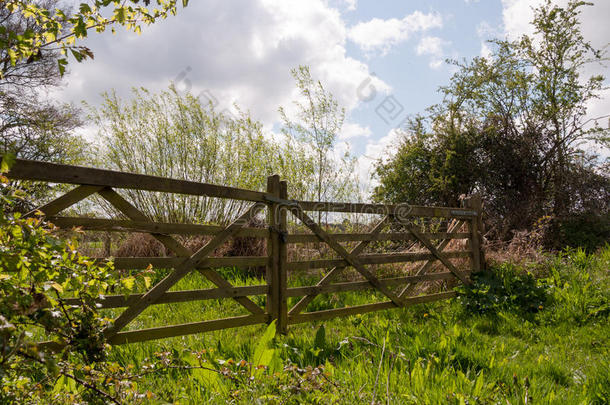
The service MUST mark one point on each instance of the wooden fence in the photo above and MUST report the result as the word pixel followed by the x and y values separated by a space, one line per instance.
pixel 278 207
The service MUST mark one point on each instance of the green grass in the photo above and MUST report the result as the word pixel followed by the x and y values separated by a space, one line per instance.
pixel 427 354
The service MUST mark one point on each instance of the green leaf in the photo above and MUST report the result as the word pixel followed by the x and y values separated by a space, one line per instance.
pixel 57 287
pixel 264 352
pixel 8 160
pixel 77 55
pixel 320 339
pixel 128 282
pixel 61 64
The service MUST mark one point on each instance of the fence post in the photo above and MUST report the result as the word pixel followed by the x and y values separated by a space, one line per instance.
pixel 276 250
pixel 282 322
pixel 475 227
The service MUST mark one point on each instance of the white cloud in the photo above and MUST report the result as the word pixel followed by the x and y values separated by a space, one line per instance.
pixel 485 50
pixel 375 150
pixel 232 52
pixel 379 35
pixel 351 4
pixel 485 32
pixel 433 46
pixel 353 130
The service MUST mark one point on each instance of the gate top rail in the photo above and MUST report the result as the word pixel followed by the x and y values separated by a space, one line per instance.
pixel 59 173
pixel 24 169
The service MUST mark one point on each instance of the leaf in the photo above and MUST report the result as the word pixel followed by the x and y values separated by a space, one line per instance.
pixel 147 282
pixel 128 282
pixel 77 55
pixel 8 160
pixel 61 64
pixel 320 339
pixel 57 287
pixel 264 353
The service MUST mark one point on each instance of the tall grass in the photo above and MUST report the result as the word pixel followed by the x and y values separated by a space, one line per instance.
pixel 440 353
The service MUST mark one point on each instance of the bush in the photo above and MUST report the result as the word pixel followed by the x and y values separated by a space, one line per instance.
pixel 587 231
pixel 504 288
pixel 36 271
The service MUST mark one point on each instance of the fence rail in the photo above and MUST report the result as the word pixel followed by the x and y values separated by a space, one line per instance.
pixel 400 218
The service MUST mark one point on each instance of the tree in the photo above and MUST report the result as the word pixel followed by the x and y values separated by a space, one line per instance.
pixel 427 169
pixel 32 127
pixel 516 124
pixel 318 121
pixel 52 30
pixel 174 135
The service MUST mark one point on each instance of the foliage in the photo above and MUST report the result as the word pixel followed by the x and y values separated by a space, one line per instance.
pixel 52 30
pixel 588 231
pixel 503 288
pixel 581 285
pixel 36 270
pixel 511 127
pixel 179 137
pixel 428 353
pixel 317 123
pixel 31 126
pixel 428 169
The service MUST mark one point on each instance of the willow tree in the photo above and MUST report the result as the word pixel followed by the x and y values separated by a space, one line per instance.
pixel 170 134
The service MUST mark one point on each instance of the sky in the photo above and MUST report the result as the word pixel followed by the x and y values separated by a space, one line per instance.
pixel 383 60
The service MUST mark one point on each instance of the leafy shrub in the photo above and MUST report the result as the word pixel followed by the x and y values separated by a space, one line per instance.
pixel 36 271
pixel 587 231
pixel 580 283
pixel 503 288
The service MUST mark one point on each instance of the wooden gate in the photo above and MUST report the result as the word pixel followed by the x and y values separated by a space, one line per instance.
pixel 280 211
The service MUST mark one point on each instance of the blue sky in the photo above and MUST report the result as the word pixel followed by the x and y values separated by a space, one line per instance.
pixel 413 80
pixel 241 52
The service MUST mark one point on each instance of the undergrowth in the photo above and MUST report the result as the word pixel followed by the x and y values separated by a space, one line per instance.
pixel 513 338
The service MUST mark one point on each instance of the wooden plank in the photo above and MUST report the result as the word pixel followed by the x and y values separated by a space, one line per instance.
pixel 354 237
pixel 117 301
pixel 328 278
pixel 361 309
pixel 475 227
pixel 169 242
pixel 282 322
pixel 426 266
pixel 475 246
pixel 70 198
pixel 374 259
pixel 398 210
pixel 273 246
pixel 116 225
pixel 133 213
pixel 186 329
pixel 351 259
pixel 59 173
pixel 193 261
pixel 365 285
pixel 426 242
pixel 127 263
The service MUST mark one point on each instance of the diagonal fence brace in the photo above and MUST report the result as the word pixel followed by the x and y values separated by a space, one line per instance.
pixel 196 259
pixel 351 259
